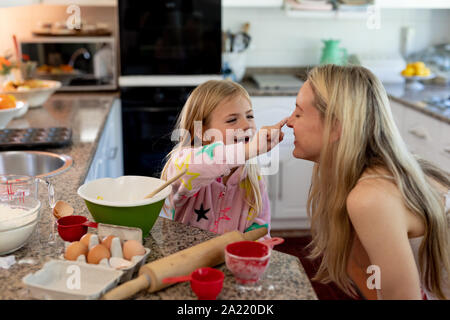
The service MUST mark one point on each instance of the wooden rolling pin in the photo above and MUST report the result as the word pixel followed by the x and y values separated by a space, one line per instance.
pixel 206 254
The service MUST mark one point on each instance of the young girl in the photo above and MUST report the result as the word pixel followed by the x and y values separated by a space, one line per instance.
pixel 378 214
pixel 221 191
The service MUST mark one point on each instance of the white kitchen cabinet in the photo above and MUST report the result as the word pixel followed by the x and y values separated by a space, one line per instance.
pixel 443 154
pixel 288 187
pixel 17 3
pixel 108 159
pixel 423 135
pixel 398 111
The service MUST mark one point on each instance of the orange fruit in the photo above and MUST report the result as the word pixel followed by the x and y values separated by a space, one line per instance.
pixel 7 101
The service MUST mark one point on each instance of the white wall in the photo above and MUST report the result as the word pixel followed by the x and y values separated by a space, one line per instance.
pixel 279 40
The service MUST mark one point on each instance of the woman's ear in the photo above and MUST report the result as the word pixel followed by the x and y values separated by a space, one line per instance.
pixel 336 131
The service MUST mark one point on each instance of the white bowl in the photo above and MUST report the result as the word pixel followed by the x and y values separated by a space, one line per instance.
pixel 15 232
pixel 124 191
pixel 38 96
pixel 22 111
pixel 6 115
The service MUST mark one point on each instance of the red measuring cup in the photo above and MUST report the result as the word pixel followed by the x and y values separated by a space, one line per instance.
pixel 72 228
pixel 205 282
pixel 248 260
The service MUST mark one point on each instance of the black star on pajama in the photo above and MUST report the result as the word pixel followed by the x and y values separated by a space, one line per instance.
pixel 201 213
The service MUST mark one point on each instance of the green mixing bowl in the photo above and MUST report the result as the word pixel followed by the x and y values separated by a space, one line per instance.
pixel 121 201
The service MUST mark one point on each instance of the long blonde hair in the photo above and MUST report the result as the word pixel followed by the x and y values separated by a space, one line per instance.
pixel 355 99
pixel 198 107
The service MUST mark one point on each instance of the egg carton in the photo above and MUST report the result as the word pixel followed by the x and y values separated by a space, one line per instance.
pixel 115 261
pixel 71 280
pixel 128 272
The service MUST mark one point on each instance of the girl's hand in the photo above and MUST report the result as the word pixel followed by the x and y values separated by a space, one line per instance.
pixel 265 140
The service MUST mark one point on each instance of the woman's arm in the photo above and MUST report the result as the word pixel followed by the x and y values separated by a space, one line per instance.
pixel 379 219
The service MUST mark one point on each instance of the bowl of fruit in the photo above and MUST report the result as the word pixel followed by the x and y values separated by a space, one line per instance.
pixel 414 72
pixel 9 108
pixel 34 91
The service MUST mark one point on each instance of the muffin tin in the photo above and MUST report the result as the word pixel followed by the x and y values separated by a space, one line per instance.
pixel 33 138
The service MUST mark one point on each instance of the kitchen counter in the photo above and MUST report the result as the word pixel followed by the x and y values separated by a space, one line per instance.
pixel 285 277
pixel 397 92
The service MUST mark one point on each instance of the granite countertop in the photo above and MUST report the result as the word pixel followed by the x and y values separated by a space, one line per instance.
pixel 285 277
pixel 396 91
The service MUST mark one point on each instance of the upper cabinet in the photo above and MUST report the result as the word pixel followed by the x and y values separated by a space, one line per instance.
pixel 98 3
pixel 413 4
pixel 17 3
pixel 252 3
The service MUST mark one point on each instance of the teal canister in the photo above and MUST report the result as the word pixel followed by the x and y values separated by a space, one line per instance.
pixel 331 53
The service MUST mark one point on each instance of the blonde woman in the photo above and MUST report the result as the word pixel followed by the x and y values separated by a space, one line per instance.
pixel 221 190
pixel 378 216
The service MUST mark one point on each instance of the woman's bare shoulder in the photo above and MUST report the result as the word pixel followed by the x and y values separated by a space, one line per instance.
pixel 373 195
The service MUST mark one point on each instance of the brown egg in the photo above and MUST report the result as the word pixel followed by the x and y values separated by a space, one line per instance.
pixel 107 241
pixel 74 250
pixel 86 238
pixel 132 248
pixel 97 253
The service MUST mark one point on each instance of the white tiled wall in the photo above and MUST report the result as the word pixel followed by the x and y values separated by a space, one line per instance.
pixel 279 40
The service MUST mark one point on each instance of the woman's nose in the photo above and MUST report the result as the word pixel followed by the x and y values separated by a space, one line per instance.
pixel 290 121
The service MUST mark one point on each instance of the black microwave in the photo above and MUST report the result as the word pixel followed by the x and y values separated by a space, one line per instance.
pixel 170 37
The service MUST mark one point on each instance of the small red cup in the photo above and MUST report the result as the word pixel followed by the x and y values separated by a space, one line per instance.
pixel 72 228
pixel 205 282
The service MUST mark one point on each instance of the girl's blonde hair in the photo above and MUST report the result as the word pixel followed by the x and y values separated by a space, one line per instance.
pixel 355 99
pixel 198 107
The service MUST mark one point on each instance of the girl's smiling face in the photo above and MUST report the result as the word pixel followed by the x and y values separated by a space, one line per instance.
pixel 308 127
pixel 231 121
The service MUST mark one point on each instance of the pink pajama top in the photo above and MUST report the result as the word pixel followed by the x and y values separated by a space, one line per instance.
pixel 200 198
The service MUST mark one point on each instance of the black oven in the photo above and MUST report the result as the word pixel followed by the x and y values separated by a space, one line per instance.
pixel 167 48
pixel 149 115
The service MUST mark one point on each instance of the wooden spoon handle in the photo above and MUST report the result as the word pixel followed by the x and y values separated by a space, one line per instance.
pixel 165 184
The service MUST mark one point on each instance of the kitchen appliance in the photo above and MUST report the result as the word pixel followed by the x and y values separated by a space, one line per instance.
pixel 206 254
pixel 167 48
pixel 149 115
pixel 79 63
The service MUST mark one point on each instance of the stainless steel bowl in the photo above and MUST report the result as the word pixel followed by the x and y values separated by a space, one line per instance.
pixel 37 164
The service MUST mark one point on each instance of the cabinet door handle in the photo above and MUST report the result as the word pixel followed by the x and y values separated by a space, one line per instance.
pixel 112 152
pixel 418 133
pixel 280 181
pixel 97 169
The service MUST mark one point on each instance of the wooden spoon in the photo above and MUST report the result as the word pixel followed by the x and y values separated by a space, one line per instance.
pixel 62 209
pixel 165 184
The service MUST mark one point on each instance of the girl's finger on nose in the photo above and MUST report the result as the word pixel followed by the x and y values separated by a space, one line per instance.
pixel 282 122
